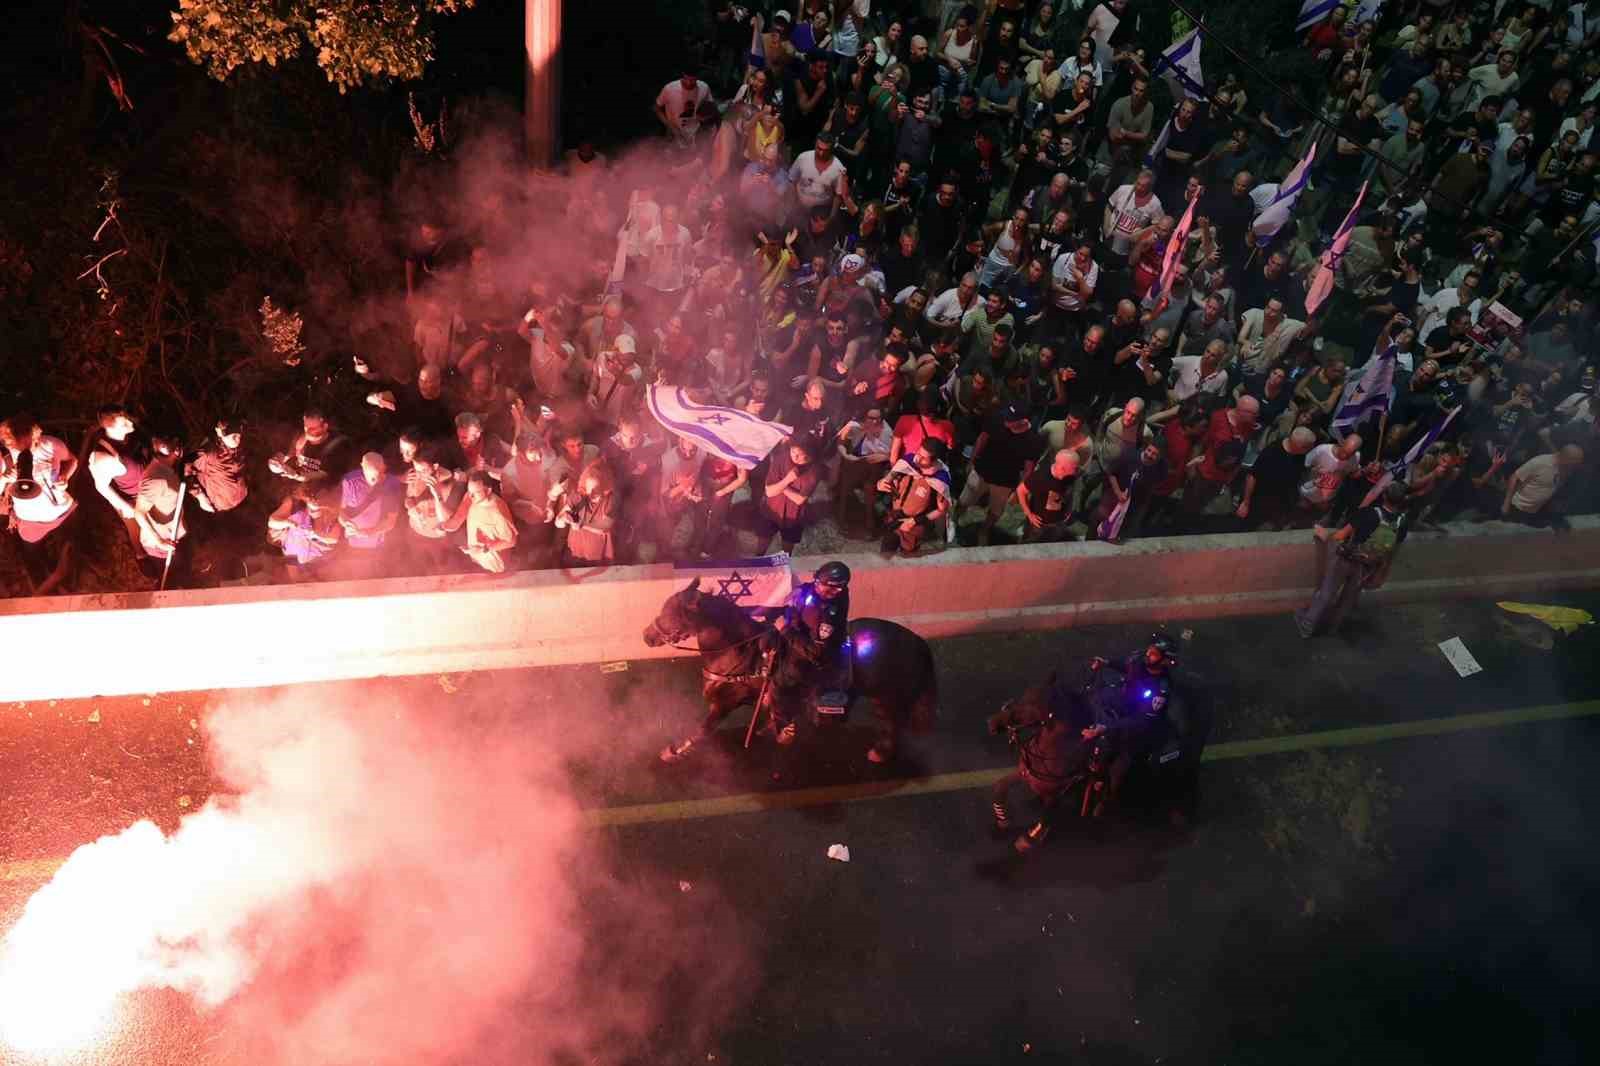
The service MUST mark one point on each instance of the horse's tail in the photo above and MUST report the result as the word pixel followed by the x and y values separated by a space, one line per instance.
pixel 925 708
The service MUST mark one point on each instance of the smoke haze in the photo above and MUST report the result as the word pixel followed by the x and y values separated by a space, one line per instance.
pixel 381 884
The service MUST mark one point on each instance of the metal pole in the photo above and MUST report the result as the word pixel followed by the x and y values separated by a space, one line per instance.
pixel 177 526
pixel 541 107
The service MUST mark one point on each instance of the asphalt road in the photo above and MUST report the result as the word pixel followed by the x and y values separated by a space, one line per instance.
pixel 1411 900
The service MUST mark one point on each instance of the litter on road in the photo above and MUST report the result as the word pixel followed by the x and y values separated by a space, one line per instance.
pixel 1460 657
pixel 839 852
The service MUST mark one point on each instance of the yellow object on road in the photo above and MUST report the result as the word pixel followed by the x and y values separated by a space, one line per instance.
pixel 1561 619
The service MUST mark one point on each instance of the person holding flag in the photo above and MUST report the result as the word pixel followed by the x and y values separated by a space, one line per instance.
pixel 1180 65
pixel 1328 265
pixel 1280 209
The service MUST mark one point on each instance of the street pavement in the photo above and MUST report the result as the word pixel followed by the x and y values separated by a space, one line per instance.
pixel 1332 898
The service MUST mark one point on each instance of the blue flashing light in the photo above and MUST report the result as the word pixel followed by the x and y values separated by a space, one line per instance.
pixel 1148 693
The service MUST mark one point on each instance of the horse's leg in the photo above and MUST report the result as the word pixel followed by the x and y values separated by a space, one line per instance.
pixel 884 714
pixel 721 697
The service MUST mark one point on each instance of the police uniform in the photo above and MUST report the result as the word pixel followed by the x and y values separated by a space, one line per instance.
pixel 814 626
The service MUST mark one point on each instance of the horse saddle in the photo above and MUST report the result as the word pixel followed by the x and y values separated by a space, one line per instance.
pixel 834 674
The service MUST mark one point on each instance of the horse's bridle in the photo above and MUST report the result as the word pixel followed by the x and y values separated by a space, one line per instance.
pixel 706 672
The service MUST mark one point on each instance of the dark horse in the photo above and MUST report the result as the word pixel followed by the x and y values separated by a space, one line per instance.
pixel 891 666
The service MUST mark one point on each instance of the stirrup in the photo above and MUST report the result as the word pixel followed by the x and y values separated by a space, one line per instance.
pixel 679 751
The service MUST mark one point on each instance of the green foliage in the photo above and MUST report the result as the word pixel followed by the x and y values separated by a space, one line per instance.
pixel 355 41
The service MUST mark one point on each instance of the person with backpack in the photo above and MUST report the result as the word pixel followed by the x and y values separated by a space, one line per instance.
pixel 1363 553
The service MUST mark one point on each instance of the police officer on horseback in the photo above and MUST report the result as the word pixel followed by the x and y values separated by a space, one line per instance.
pixel 808 644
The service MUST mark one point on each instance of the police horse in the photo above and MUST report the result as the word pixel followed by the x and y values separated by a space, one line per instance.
pixel 888 665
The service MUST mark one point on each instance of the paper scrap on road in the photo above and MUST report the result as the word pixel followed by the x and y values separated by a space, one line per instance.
pixel 839 852
pixel 685 886
pixel 1460 657
pixel 619 667
pixel 94 716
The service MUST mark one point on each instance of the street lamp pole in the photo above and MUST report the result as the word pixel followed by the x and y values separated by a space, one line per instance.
pixel 541 109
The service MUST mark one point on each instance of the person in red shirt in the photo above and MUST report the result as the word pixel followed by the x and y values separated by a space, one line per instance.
pixel 1227 435
pixel 1327 41
pixel 927 423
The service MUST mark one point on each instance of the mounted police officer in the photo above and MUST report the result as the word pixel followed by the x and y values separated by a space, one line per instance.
pixel 809 641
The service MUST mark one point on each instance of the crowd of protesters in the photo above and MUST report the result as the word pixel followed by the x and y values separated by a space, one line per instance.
pixel 931 239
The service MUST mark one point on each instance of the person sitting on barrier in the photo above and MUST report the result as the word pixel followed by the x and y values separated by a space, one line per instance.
pixel 809 642
pixel 918 489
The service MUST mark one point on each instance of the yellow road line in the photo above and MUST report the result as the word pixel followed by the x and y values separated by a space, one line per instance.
pixel 751 803
pixel 37 870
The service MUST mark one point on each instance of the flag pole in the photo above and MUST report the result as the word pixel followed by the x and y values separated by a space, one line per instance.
pixel 177 522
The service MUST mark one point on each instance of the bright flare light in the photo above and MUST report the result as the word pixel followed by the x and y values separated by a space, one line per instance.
pixel 118 917
pixel 66 963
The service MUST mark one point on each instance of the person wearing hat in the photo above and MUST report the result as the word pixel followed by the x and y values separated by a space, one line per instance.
pixel 616 380
pixel 1363 551
pixel 1002 459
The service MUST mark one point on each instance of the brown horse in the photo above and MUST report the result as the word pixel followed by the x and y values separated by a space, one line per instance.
pixel 891 666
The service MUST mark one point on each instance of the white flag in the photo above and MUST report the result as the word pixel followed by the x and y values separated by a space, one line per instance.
pixel 1276 214
pixel 1313 12
pixel 727 432
pixel 1180 64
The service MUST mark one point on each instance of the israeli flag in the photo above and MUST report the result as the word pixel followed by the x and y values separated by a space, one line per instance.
pixel 1152 158
pixel 1398 469
pixel 1366 11
pixel 1322 280
pixel 1369 393
pixel 1180 64
pixel 754 584
pixel 1276 214
pixel 1313 12
pixel 726 432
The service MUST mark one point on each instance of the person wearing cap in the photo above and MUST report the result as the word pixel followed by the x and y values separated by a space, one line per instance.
pixel 616 380
pixel 1002 458
pixel 818 178
pixel 1362 552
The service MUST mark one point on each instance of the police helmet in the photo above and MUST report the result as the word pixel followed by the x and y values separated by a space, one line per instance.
pixel 833 573
pixel 1162 651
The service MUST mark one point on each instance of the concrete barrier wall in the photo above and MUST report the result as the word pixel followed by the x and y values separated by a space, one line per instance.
pixel 234 638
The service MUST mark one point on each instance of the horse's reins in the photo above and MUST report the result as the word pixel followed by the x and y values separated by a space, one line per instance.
pixel 718 651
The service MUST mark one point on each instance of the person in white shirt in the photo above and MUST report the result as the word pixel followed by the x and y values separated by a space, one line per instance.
pixel 818 177
pixel 34 471
pixel 678 106
pixel 1128 210
pixel 949 307
pixel 666 249
pixel 1497 79
pixel 1265 334
pixel 1194 374
pixel 1073 279
pixel 1327 465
